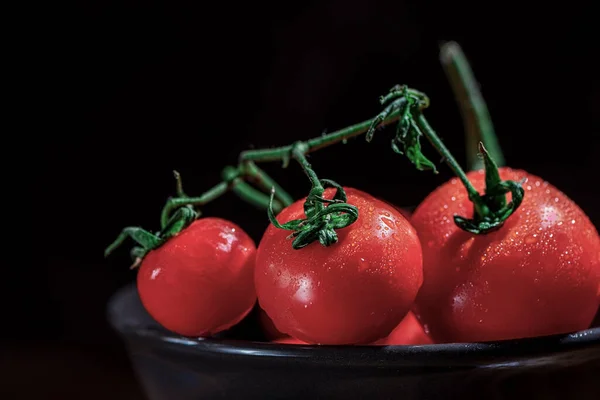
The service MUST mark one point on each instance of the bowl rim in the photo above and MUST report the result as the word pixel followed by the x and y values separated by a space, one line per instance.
pixel 505 353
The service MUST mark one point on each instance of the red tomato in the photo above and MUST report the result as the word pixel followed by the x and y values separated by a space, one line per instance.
pixel 267 326
pixel 408 332
pixel 539 274
pixel 355 291
pixel 200 281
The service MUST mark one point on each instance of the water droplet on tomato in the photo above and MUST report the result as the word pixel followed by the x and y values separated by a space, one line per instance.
pixel 278 273
pixel 363 265
pixel 396 237
pixel 388 222
pixel 531 239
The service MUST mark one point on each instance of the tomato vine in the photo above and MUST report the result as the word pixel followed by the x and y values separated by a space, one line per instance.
pixel 402 105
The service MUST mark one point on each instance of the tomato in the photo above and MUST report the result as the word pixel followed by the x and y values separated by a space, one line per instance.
pixel 200 281
pixel 539 274
pixel 408 332
pixel 354 291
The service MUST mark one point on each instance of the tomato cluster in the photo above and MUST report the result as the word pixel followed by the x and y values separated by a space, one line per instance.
pixel 391 278
pixel 494 254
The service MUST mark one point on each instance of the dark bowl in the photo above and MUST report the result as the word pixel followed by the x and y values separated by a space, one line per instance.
pixel 171 367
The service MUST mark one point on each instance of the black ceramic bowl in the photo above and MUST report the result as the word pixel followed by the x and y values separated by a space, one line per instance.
pixel 171 367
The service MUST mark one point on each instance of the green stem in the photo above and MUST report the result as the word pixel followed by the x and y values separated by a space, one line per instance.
pixel 280 153
pixel 299 149
pixel 473 108
pixel 266 183
pixel 480 207
pixel 235 178
pixel 206 197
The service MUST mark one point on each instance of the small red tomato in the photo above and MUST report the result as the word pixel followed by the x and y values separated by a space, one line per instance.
pixel 267 326
pixel 200 281
pixel 353 292
pixel 539 274
pixel 408 332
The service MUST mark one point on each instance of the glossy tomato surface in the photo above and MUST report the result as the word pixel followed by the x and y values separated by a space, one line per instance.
pixel 355 291
pixel 201 281
pixel 408 332
pixel 537 275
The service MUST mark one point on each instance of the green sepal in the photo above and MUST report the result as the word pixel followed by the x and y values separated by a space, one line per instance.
pixel 497 210
pixel 320 222
pixel 147 241
pixel 144 238
pixel 180 220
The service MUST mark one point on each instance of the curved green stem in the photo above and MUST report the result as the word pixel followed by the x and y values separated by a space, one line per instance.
pixel 441 148
pixel 475 115
pixel 235 178
pixel 281 153
pixel 265 182
pixel 299 150
pixel 176 202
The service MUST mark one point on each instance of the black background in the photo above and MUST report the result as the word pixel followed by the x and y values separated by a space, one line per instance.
pixel 137 89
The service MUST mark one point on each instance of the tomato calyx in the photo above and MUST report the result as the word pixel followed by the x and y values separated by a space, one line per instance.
pixel 147 241
pixel 323 216
pixel 491 209
pixel 408 134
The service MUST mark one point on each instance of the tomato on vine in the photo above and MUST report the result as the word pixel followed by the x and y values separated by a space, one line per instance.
pixel 506 254
pixel 539 274
pixel 196 281
pixel 351 291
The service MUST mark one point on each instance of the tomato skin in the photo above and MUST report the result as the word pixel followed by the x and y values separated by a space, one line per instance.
pixel 537 275
pixel 355 291
pixel 408 332
pixel 201 281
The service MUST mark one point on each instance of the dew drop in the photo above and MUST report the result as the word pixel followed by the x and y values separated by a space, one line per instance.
pixel 453 198
pixel 572 221
pixel 306 306
pixel 388 222
pixel 278 273
pixel 530 239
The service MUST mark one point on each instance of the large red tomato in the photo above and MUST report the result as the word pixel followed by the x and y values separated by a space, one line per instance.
pixel 354 291
pixel 539 274
pixel 200 281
